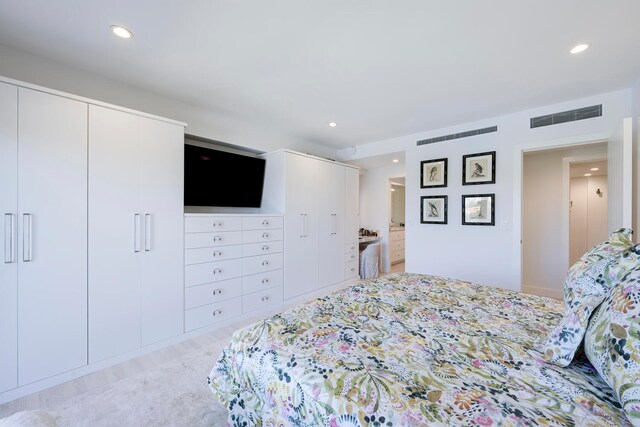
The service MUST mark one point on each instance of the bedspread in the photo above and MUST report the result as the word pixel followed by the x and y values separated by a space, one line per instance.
pixel 404 350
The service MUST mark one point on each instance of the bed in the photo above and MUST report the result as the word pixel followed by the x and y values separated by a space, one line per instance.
pixel 409 349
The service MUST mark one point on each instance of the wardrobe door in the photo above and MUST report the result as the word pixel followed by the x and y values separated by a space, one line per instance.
pixel 8 209
pixel 302 184
pixel 52 243
pixel 162 307
pixel 116 222
pixel 352 205
pixel 331 223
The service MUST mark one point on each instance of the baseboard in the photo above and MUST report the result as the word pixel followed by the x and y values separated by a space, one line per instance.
pixel 542 291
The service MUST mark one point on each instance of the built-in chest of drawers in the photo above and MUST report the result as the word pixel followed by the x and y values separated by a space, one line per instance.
pixel 233 266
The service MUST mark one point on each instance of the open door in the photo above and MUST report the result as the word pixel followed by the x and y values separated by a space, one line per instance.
pixel 620 163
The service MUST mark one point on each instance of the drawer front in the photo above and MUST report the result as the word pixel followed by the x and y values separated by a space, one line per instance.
pixel 211 240
pixel 256 236
pixel 212 313
pixel 262 300
pixel 259 264
pixel 255 249
pixel 397 255
pixel 197 296
pixel 352 247
pixel 351 270
pixel 398 245
pixel 199 274
pixel 396 235
pixel 353 256
pixel 261 222
pixel 257 282
pixel 204 224
pixel 221 253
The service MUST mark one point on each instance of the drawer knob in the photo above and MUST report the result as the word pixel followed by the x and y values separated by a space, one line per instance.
pixel 217 292
pixel 217 238
pixel 265 222
pixel 353 269
pixel 265 235
pixel 216 312
pixel 353 256
pixel 217 254
pixel 265 247
pixel 217 224
pixel 265 263
pixel 265 281
pixel 217 271
pixel 265 298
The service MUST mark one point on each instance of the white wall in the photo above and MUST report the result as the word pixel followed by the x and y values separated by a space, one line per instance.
pixel 375 200
pixel 635 113
pixel 545 264
pixel 483 254
pixel 213 124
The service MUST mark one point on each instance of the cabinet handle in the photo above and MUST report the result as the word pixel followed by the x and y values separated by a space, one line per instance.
pixel 265 222
pixel 301 225
pixel 216 312
pixel 306 225
pixel 217 271
pixel 353 269
pixel 217 238
pixel 265 263
pixel 265 247
pixel 27 237
pixel 353 256
pixel 147 232
pixel 265 298
pixel 217 292
pixel 9 230
pixel 265 235
pixel 217 254
pixel 265 281
pixel 217 224
pixel 136 232
pixel 334 224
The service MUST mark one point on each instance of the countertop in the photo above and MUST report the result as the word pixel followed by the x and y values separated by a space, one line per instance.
pixel 368 239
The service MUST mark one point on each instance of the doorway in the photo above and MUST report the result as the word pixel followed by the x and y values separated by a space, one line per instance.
pixel 396 224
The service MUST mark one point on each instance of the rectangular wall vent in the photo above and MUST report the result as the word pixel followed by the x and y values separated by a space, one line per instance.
pixel 567 116
pixel 458 135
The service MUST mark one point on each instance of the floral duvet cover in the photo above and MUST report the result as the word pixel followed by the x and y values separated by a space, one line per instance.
pixel 409 350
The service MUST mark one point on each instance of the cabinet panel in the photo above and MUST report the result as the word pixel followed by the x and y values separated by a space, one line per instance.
pixel 196 296
pixel 331 225
pixel 115 232
pixel 9 263
pixel 352 200
pixel 212 272
pixel 200 255
pixel 257 282
pixel 261 222
pixel 52 209
pixel 261 300
pixel 213 313
pixel 209 240
pixel 255 249
pixel 254 236
pixel 203 224
pixel 162 306
pixel 259 264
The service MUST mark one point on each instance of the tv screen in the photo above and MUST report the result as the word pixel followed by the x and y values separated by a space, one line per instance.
pixel 219 178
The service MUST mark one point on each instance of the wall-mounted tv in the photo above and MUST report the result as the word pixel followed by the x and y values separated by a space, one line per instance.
pixel 220 178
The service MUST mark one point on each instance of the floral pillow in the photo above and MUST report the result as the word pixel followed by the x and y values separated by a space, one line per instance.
pixel 586 286
pixel 612 339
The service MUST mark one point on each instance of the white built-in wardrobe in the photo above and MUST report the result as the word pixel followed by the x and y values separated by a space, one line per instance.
pixel 92 203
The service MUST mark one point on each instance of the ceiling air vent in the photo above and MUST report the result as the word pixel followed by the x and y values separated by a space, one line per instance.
pixel 567 116
pixel 458 135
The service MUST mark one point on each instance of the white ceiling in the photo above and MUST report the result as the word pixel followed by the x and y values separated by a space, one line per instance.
pixel 378 68
pixel 579 169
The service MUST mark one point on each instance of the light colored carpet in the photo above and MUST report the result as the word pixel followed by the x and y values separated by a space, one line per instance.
pixel 175 393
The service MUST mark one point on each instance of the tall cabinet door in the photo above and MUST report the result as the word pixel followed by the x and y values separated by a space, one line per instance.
pixel 331 198
pixel 52 247
pixel 352 205
pixel 116 224
pixel 162 307
pixel 301 225
pixel 9 209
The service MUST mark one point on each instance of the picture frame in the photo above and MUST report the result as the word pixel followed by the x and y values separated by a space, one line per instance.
pixel 433 173
pixel 479 168
pixel 433 209
pixel 478 209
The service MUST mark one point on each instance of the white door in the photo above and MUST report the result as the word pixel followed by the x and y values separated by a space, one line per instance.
pixel 620 176
pixel 162 286
pixel 115 232
pixel 352 204
pixel 9 210
pixel 52 247
pixel 301 225
pixel 331 223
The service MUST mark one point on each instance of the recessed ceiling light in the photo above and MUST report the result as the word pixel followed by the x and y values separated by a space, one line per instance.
pixel 595 169
pixel 395 160
pixel 393 189
pixel 579 48
pixel 587 174
pixel 121 32
pixel 333 124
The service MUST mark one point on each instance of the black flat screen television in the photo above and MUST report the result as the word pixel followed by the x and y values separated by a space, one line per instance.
pixel 219 178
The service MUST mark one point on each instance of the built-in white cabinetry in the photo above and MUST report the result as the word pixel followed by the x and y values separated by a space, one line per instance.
pixel 43 197
pixel 319 224
pixel 233 266
pixel 135 231
pixel 396 246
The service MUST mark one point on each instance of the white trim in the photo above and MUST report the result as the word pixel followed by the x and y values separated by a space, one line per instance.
pixel 627 168
pixel 518 156
pixel 87 100
pixel 566 198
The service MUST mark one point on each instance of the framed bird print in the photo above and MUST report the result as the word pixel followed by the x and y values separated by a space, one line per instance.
pixel 433 173
pixel 479 209
pixel 433 209
pixel 479 168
